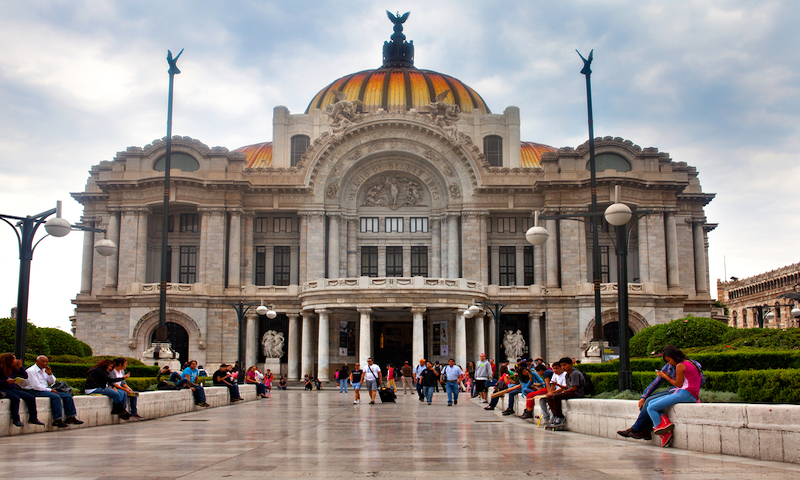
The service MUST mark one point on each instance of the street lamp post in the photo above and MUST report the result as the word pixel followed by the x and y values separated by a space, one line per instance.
pixel 25 228
pixel 241 312
pixel 494 308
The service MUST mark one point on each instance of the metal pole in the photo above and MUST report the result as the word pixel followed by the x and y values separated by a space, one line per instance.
pixel 595 219
pixel 161 331
pixel 496 314
pixel 25 256
pixel 624 379
pixel 240 311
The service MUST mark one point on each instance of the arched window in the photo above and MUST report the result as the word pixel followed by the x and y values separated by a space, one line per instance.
pixel 493 150
pixel 179 161
pixel 299 145
pixel 610 161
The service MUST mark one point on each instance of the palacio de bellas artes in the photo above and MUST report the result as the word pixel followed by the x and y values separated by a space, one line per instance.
pixel 372 220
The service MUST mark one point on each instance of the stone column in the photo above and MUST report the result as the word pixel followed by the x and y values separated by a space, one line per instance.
pixel 452 246
pixel 471 246
pixel 538 265
pixel 303 253
pixel 248 253
pixel 461 339
pixel 323 345
pixel 700 281
pixel 495 273
pixel 202 271
pixel 418 345
pixel 551 254
pixel 364 335
pixel 294 347
pixel 306 355
pixel 443 242
pixel 235 250
pixel 480 335
pixel 352 247
pixel 484 246
pixel 112 262
pixel 251 342
pixel 141 246
pixel 214 253
pixel 88 257
pixel 333 246
pixel 126 248
pixel 315 254
pixel 673 281
pixel 519 257
pixel 436 249
pixel 535 335
pixel 644 254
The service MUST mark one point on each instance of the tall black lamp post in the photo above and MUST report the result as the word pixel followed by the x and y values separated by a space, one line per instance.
pixel 161 331
pixel 241 313
pixel 494 308
pixel 25 228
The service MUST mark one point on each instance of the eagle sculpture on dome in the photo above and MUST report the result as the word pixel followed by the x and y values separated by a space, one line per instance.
pixel 399 19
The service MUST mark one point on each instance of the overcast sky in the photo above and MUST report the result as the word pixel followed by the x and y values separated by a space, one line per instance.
pixel 714 83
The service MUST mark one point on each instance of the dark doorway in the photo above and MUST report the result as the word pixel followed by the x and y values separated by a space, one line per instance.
pixel 391 343
pixel 178 339
pixel 611 333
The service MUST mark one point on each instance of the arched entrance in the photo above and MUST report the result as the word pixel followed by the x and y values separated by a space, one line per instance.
pixel 611 333
pixel 178 338
pixel 636 323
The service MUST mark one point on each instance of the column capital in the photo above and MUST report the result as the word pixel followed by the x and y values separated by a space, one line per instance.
pixel 534 316
pixel 418 310
pixel 292 314
pixel 236 210
pixel 311 214
pixel 337 215
pixel 476 213
pixel 323 311
pixel 480 314
pixel 136 209
pixel 211 210
pixel 364 310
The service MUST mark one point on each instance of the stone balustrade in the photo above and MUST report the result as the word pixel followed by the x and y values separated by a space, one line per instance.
pixel 95 410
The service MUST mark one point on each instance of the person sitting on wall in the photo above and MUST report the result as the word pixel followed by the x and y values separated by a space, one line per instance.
pixel 575 389
pixel 41 379
pixel 98 382
pixel 282 384
pixel 642 428
pixel 120 364
pixel 251 378
pixel 189 380
pixel 222 378
pixel 530 397
pixel 11 375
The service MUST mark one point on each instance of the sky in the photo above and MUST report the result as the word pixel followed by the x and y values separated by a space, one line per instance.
pixel 714 83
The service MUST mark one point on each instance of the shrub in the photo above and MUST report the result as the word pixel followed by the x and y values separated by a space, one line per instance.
pixel 683 333
pixel 710 396
pixel 79 370
pixel 35 341
pixel 776 386
pixel 62 343
pixel 730 361
pixel 137 384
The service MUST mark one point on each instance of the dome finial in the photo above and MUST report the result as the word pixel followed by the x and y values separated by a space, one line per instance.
pixel 398 52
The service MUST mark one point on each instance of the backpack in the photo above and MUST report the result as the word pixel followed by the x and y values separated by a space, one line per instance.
pixel 700 370
pixel 588 386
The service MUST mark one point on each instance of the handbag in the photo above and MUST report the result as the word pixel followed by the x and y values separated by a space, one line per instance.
pixel 62 386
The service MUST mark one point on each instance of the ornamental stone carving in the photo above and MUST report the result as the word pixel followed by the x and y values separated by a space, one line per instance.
pixel 393 191
pixel 455 192
pixel 445 115
pixel 332 191
pixel 272 344
pixel 342 114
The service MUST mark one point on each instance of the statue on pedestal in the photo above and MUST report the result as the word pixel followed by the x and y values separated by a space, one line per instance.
pixel 272 344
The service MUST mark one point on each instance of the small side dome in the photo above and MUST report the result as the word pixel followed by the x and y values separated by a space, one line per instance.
pixel 531 153
pixel 258 154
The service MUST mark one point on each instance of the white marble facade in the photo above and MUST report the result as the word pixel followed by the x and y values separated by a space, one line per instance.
pixel 312 240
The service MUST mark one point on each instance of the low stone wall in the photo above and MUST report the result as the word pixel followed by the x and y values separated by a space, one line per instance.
pixel 96 410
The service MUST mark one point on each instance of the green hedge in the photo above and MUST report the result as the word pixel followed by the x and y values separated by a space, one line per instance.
pixel 683 333
pixel 42 341
pixel 712 362
pixel 752 386
pixel 137 384
pixel 78 370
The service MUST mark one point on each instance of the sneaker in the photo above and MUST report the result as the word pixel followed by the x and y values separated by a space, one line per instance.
pixel 18 423
pixel 372 402
pixel 35 422
pixel 663 427
pixel 526 414
pixel 136 415
pixel 429 403
pixel 355 402
pixel 60 423
pixel 666 439
pixel 455 402
pixel 74 421
pixel 558 420
pixel 449 404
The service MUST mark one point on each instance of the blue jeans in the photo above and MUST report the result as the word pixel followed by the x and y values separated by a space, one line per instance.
pixel 55 403
pixel 428 393
pixel 643 422
pixel 343 386
pixel 419 390
pixel 233 389
pixel 657 406
pixel 14 396
pixel 452 391
pixel 511 398
pixel 260 388
pixel 116 396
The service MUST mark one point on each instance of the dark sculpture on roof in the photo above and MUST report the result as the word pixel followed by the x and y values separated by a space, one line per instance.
pixel 398 52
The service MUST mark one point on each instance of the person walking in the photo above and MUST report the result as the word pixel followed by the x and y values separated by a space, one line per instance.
pixel 372 378
pixel 407 378
pixel 355 380
pixel 390 377
pixel 451 374
pixel 418 379
pixel 483 372
pixel 428 378
pixel 344 374
pixel 438 368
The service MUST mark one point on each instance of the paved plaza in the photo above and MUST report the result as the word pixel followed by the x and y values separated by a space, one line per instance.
pixel 298 434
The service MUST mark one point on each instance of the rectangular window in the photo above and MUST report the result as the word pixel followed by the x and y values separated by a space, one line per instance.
pixel 369 224
pixel 394 224
pixel 189 223
pixel 419 261
pixel 280 266
pixel 508 266
pixel 506 225
pixel 282 225
pixel 188 264
pixel 604 273
pixel 394 261
pixel 261 265
pixel 260 225
pixel 171 223
pixel 418 224
pixel 528 259
pixel 526 223
pixel 369 261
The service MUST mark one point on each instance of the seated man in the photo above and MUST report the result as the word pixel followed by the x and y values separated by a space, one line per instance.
pixel 529 398
pixel 575 389
pixel 282 384
pixel 556 380
pixel 40 378
pixel 222 378
pixel 189 380
pixel 501 385
pixel 308 383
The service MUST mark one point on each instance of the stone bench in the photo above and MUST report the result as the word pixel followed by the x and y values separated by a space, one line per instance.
pixel 96 410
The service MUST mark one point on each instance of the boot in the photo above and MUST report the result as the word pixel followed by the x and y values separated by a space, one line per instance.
pixel 526 414
pixel 508 411
pixel 666 439
pixel 645 435
pixel 625 433
pixel 663 427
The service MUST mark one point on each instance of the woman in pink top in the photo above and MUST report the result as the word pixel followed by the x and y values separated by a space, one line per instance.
pixel 687 380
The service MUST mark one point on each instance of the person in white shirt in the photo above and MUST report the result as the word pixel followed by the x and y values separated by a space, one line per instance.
pixel 557 382
pixel 120 364
pixel 371 377
pixel 41 378
pixel 483 372
pixel 451 374
pixel 418 379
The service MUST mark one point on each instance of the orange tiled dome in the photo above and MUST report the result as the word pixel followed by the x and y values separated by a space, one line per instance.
pixel 258 154
pixel 531 153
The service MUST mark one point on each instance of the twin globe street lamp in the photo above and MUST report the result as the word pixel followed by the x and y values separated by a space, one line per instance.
pixel 25 228
pixel 241 313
